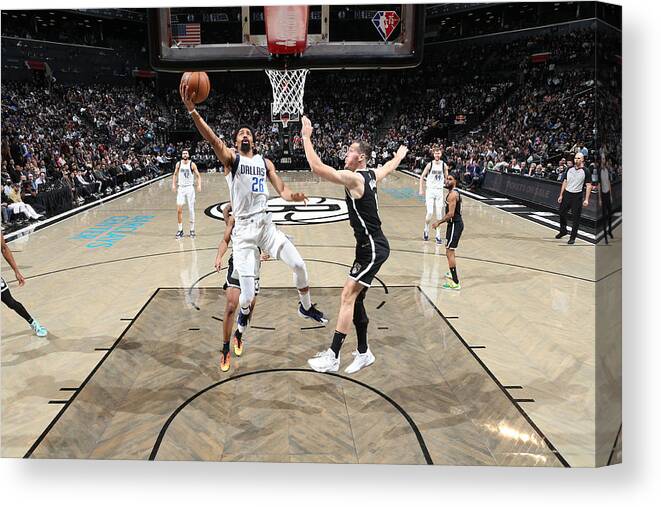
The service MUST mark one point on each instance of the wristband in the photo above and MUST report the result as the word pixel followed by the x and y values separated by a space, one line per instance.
pixel 193 111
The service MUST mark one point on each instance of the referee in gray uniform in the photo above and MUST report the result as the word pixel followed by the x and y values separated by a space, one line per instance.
pixel 571 196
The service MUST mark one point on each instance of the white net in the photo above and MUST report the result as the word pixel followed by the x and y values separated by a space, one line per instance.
pixel 288 89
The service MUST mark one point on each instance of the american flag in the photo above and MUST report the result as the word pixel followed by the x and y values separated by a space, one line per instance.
pixel 186 34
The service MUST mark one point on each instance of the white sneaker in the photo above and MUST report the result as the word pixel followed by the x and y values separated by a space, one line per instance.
pixel 325 361
pixel 360 361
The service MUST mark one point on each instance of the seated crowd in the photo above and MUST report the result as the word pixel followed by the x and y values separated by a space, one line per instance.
pixel 522 116
pixel 64 146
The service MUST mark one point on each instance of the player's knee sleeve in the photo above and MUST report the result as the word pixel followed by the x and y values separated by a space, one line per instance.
pixel 290 256
pixel 247 291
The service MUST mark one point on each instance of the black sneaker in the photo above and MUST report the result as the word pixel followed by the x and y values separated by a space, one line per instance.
pixel 179 235
pixel 192 234
pixel 560 234
pixel 571 241
pixel 312 313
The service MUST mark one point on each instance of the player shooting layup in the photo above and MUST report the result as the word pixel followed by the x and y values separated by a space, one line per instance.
pixel 247 172
pixel 436 172
pixel 372 248
pixel 184 180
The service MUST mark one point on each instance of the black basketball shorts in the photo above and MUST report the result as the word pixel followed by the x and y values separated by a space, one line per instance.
pixel 453 234
pixel 371 253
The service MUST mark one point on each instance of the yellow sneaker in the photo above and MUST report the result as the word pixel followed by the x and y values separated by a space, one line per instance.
pixel 224 361
pixel 238 345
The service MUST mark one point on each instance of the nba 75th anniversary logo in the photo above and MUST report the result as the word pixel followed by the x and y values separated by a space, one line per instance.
pixel 319 210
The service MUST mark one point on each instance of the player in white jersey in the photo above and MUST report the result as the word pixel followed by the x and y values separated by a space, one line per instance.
pixel 435 171
pixel 184 180
pixel 247 173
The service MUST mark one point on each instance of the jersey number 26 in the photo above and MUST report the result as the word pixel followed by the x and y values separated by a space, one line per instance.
pixel 257 184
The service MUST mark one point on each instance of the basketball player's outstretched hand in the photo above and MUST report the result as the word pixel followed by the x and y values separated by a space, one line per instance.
pixel 306 129
pixel 402 151
pixel 20 278
pixel 299 196
pixel 187 98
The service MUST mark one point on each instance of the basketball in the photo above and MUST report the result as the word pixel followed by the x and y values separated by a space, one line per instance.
pixel 198 83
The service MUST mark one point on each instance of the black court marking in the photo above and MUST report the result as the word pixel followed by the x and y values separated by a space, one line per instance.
pixel 102 348
pixel 414 427
pixel 68 403
pixel 513 387
pixel 477 347
pixel 203 277
pixel 417 252
pixel 382 327
pixel 524 400
pixel 476 259
pixel 129 320
pixel 548 443
pixel 617 438
pixel 454 317
pixel 193 328
pixel 609 274
pixel 68 388
pixel 58 402
pixel 312 327
pixel 263 328
pixel 380 305
pixel 217 318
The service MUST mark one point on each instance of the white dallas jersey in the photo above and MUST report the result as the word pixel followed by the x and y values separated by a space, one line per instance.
pixel 248 189
pixel 436 176
pixel 186 178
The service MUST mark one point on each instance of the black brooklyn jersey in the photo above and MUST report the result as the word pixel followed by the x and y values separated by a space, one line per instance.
pixel 457 207
pixel 364 212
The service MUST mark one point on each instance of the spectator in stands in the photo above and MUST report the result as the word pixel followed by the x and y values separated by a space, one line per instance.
pixel 17 205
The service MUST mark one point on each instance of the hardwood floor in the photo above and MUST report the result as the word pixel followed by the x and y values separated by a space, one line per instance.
pixel 527 307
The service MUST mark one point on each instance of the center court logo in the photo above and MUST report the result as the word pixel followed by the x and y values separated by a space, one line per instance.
pixel 320 210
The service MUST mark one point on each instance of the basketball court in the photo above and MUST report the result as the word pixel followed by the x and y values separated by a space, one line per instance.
pixel 503 372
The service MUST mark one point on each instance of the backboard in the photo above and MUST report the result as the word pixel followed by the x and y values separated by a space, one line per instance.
pixel 235 38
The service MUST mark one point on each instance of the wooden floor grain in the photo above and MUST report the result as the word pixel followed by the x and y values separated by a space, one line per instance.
pixel 527 302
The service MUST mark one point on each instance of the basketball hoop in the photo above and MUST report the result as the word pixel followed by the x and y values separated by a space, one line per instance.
pixel 287 37
pixel 288 90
